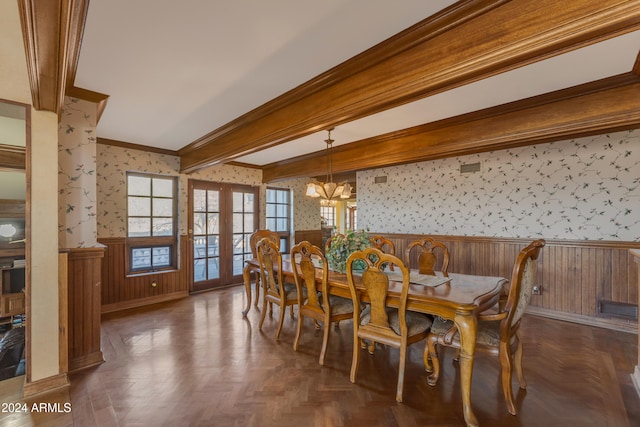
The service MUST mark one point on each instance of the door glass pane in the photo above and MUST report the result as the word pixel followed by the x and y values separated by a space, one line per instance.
pixel 213 225
pixel 238 264
pixel 199 221
pixel 199 200
pixel 238 244
pixel 248 222
pixel 237 223
pixel 199 249
pixel 213 246
pixel 214 268
pixel 199 270
pixel 271 224
pixel 248 202
pixel 282 224
pixel 237 202
pixel 213 201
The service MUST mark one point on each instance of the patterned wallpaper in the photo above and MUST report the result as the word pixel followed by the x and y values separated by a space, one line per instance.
pixel 77 175
pixel 581 189
pixel 112 165
pixel 114 162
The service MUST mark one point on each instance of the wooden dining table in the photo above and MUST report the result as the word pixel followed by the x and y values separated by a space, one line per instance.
pixel 459 299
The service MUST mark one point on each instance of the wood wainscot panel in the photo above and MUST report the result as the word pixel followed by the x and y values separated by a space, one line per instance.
pixel 312 236
pixel 121 290
pixel 84 296
pixel 634 254
pixel 574 276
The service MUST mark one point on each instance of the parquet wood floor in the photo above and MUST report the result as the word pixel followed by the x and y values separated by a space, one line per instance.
pixel 197 362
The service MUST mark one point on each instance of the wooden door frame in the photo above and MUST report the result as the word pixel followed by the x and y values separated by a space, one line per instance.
pixel 226 216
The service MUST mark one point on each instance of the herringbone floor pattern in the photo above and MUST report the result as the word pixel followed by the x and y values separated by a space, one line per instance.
pixel 196 362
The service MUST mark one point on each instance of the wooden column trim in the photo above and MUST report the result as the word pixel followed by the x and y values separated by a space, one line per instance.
pixel 52 33
pixel 635 253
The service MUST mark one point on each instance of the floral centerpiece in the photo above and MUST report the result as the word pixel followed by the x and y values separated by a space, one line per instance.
pixel 344 245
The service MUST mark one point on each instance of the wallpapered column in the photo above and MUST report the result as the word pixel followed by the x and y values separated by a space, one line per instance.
pixel 76 175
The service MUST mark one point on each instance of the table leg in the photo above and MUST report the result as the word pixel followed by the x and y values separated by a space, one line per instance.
pixel 468 329
pixel 246 274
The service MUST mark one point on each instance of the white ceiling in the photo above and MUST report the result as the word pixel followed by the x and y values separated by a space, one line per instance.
pixel 175 71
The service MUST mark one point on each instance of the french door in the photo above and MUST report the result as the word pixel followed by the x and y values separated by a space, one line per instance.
pixel 221 220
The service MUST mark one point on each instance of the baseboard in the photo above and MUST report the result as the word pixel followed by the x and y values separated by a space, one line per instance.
pixel 124 305
pixel 583 320
pixel 86 361
pixel 45 385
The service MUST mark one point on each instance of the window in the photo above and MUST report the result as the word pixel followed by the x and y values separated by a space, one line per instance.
pixel 329 215
pixel 151 222
pixel 279 215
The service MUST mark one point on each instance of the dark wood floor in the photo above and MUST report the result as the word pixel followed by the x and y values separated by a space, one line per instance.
pixel 196 362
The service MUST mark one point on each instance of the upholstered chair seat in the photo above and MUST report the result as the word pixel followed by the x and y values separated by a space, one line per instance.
pixel 417 323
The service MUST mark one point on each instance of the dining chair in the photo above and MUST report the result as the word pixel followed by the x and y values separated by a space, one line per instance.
pixel 388 247
pixel 498 333
pixel 255 237
pixel 384 244
pixel 318 305
pixel 395 327
pixel 427 249
pixel 276 290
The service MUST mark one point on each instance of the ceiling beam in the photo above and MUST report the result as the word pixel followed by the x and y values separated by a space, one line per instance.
pixel 606 105
pixel 52 33
pixel 468 41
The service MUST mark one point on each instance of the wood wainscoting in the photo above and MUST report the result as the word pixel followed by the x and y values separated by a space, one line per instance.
pixel 84 284
pixel 312 236
pixel 573 275
pixel 121 291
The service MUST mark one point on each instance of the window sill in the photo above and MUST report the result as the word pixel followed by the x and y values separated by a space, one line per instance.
pixel 151 272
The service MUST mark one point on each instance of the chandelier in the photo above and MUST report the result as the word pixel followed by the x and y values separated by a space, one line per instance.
pixel 329 191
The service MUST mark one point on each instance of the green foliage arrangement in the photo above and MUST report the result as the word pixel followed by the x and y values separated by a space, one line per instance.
pixel 344 245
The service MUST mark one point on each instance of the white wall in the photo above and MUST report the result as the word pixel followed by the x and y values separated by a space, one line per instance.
pixel 581 189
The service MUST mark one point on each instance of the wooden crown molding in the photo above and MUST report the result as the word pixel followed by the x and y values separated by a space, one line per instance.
pixel 469 41
pixel 88 95
pixel 603 106
pixel 140 147
pixel 52 33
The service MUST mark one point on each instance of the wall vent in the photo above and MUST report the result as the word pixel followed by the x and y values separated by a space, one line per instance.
pixel 380 179
pixel 470 167
pixel 618 309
